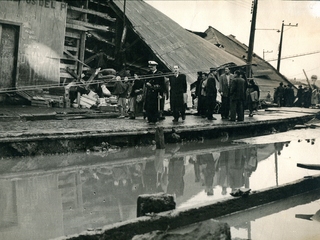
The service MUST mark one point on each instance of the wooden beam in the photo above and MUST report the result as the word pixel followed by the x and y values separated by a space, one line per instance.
pixel 89 11
pixel 89 26
pixel 100 38
pixel 99 3
pixel 77 27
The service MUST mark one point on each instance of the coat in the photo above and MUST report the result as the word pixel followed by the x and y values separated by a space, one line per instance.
pixel 238 89
pixel 178 86
pixel 157 87
pixel 224 88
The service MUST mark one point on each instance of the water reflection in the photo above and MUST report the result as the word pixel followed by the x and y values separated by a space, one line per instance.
pixel 50 196
pixel 279 220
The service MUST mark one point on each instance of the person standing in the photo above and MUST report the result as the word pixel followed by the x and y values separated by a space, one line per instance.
pixel 136 95
pixel 155 89
pixel 224 89
pixel 211 94
pixel 252 96
pixel 299 96
pixel 237 97
pixel 178 87
pixel 194 88
pixel 202 96
pixel 280 95
pixel 289 96
pixel 121 91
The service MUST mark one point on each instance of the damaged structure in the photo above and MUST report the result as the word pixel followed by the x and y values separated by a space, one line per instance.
pixel 48 44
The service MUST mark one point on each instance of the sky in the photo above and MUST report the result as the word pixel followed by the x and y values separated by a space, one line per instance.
pixel 234 17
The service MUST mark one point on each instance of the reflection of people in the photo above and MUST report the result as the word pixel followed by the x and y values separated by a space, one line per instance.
pixel 206 170
pixel 161 165
pixel 221 174
pixel 250 165
pixel 178 87
pixel 236 168
pixel 175 176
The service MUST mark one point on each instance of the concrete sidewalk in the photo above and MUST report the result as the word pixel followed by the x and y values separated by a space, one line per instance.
pixel 85 126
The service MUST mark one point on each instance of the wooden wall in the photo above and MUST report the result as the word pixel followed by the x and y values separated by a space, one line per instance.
pixel 41 39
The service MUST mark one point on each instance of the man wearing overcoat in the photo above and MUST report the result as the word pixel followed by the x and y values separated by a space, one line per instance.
pixel 237 97
pixel 211 92
pixel 155 89
pixel 178 87
pixel 224 89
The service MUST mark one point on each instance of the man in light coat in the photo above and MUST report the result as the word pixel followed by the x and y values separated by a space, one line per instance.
pixel 224 89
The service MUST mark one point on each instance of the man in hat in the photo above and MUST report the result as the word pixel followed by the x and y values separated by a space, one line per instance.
pixel 156 87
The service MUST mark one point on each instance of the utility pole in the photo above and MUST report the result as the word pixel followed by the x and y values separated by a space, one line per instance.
pixel 251 40
pixel 281 39
pixel 266 52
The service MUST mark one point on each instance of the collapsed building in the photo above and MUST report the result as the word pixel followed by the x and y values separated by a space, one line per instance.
pixel 46 44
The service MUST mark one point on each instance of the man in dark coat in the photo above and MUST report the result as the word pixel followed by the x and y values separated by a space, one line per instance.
pixel 178 87
pixel 289 96
pixel 211 94
pixel 280 95
pixel 237 97
pixel 155 89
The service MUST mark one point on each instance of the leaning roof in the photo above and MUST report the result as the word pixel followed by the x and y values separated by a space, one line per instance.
pixel 171 43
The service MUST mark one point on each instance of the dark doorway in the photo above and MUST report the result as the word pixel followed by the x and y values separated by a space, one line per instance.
pixel 9 35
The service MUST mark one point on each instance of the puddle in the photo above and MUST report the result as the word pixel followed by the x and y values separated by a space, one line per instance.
pixel 46 197
pixel 295 218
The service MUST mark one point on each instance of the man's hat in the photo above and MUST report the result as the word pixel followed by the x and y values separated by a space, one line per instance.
pixel 152 63
pixel 212 69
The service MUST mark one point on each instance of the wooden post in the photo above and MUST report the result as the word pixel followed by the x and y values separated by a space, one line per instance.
pixel 159 137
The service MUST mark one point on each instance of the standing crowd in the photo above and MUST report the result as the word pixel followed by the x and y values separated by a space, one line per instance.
pixel 237 94
pixel 306 97
pixel 147 96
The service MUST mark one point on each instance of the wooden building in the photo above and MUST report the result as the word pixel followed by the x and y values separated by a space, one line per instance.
pixel 49 43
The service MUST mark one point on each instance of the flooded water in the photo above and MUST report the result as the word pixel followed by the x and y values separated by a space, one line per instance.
pixel 295 218
pixel 46 197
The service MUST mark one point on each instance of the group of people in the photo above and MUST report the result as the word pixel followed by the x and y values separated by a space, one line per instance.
pixel 306 96
pixel 236 94
pixel 147 96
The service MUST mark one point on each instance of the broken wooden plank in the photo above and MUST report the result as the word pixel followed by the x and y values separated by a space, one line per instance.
pixel 89 26
pixel 92 12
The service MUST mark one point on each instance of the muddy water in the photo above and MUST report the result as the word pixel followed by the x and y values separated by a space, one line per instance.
pixel 46 197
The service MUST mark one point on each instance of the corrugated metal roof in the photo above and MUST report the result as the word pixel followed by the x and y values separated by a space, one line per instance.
pixel 266 76
pixel 173 44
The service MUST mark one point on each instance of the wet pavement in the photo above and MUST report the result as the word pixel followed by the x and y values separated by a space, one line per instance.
pixel 69 122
